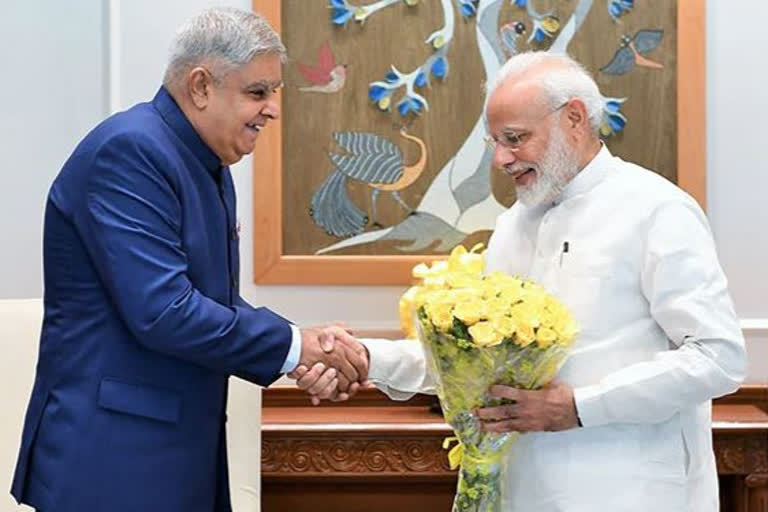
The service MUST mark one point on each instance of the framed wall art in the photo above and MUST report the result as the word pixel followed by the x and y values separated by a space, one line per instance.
pixel 379 162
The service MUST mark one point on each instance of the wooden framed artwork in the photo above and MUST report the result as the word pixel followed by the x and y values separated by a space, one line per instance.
pixel 378 161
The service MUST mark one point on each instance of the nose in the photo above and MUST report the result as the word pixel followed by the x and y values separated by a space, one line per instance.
pixel 271 109
pixel 503 156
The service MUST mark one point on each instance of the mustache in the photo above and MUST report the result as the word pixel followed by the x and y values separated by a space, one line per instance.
pixel 519 168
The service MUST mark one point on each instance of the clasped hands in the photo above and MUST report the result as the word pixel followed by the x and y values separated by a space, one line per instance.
pixel 340 368
pixel 333 364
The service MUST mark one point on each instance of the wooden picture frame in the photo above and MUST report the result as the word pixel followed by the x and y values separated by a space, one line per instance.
pixel 272 266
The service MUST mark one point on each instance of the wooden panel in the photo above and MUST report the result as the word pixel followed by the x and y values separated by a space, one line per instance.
pixel 345 496
pixel 389 456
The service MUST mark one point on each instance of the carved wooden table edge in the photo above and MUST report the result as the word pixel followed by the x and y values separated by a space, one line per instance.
pixel 372 438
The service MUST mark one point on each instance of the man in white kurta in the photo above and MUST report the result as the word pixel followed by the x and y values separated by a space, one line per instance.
pixel 658 340
pixel 628 427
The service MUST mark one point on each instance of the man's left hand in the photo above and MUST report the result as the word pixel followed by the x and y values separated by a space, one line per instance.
pixel 550 409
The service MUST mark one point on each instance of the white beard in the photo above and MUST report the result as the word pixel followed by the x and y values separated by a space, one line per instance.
pixel 555 169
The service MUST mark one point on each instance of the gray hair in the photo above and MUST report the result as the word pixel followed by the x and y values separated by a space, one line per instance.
pixel 566 81
pixel 224 37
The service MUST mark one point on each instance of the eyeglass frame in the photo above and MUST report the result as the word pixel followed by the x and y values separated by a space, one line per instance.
pixel 514 147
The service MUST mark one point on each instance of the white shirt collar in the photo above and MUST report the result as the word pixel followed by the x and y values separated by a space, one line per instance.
pixel 590 176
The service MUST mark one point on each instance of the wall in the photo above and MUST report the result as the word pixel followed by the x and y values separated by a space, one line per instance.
pixel 737 169
pixel 52 93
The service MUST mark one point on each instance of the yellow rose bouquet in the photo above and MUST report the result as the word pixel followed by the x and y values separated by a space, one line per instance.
pixel 478 330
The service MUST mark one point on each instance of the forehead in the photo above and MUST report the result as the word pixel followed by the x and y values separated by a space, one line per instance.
pixel 263 69
pixel 514 102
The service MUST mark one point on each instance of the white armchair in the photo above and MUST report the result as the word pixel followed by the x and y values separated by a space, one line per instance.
pixel 20 322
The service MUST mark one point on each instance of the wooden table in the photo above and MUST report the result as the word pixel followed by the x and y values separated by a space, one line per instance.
pixel 740 430
pixel 375 455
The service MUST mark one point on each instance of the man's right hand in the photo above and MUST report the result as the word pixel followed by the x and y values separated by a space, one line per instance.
pixel 336 348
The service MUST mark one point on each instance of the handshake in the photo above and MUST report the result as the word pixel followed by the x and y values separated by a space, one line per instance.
pixel 333 364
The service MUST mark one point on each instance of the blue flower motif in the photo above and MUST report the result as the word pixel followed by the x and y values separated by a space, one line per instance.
pixel 408 104
pixel 539 35
pixel 391 77
pixel 617 8
pixel 440 67
pixel 337 3
pixel 421 79
pixel 340 15
pixel 617 123
pixel 613 120
pixel 520 3
pixel 468 8
pixel 612 106
pixel 376 92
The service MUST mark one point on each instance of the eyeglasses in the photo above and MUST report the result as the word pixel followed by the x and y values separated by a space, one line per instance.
pixel 512 140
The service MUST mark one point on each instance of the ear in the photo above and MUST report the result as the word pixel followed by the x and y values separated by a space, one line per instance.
pixel 576 116
pixel 199 82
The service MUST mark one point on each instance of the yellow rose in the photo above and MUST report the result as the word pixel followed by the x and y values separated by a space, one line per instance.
pixel 433 296
pixel 498 305
pixel 484 334
pixel 465 294
pixel 460 280
pixel 546 318
pixel 502 278
pixel 442 320
pixel 555 306
pixel 545 337
pixel 441 314
pixel 407 308
pixel 511 291
pixel 489 290
pixel 567 331
pixel 504 325
pixel 493 306
pixel 454 260
pixel 469 312
pixel 535 300
pixel 472 263
pixel 524 334
pixel 525 313
pixel 467 262
pixel 420 271
pixel 434 281
pixel 437 303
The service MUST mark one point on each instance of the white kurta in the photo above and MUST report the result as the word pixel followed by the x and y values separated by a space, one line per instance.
pixel 659 339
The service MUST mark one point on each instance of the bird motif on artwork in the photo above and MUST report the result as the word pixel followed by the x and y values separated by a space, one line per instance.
pixel 369 159
pixel 509 33
pixel 326 76
pixel 633 52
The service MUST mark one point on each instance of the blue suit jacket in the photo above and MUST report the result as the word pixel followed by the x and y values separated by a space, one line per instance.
pixel 143 324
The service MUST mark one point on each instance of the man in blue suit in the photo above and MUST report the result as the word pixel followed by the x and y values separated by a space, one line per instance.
pixel 143 320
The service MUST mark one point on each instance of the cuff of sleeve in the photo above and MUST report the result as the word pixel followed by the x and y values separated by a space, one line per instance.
pixel 294 353
pixel 589 406
pixel 380 363
pixel 388 371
